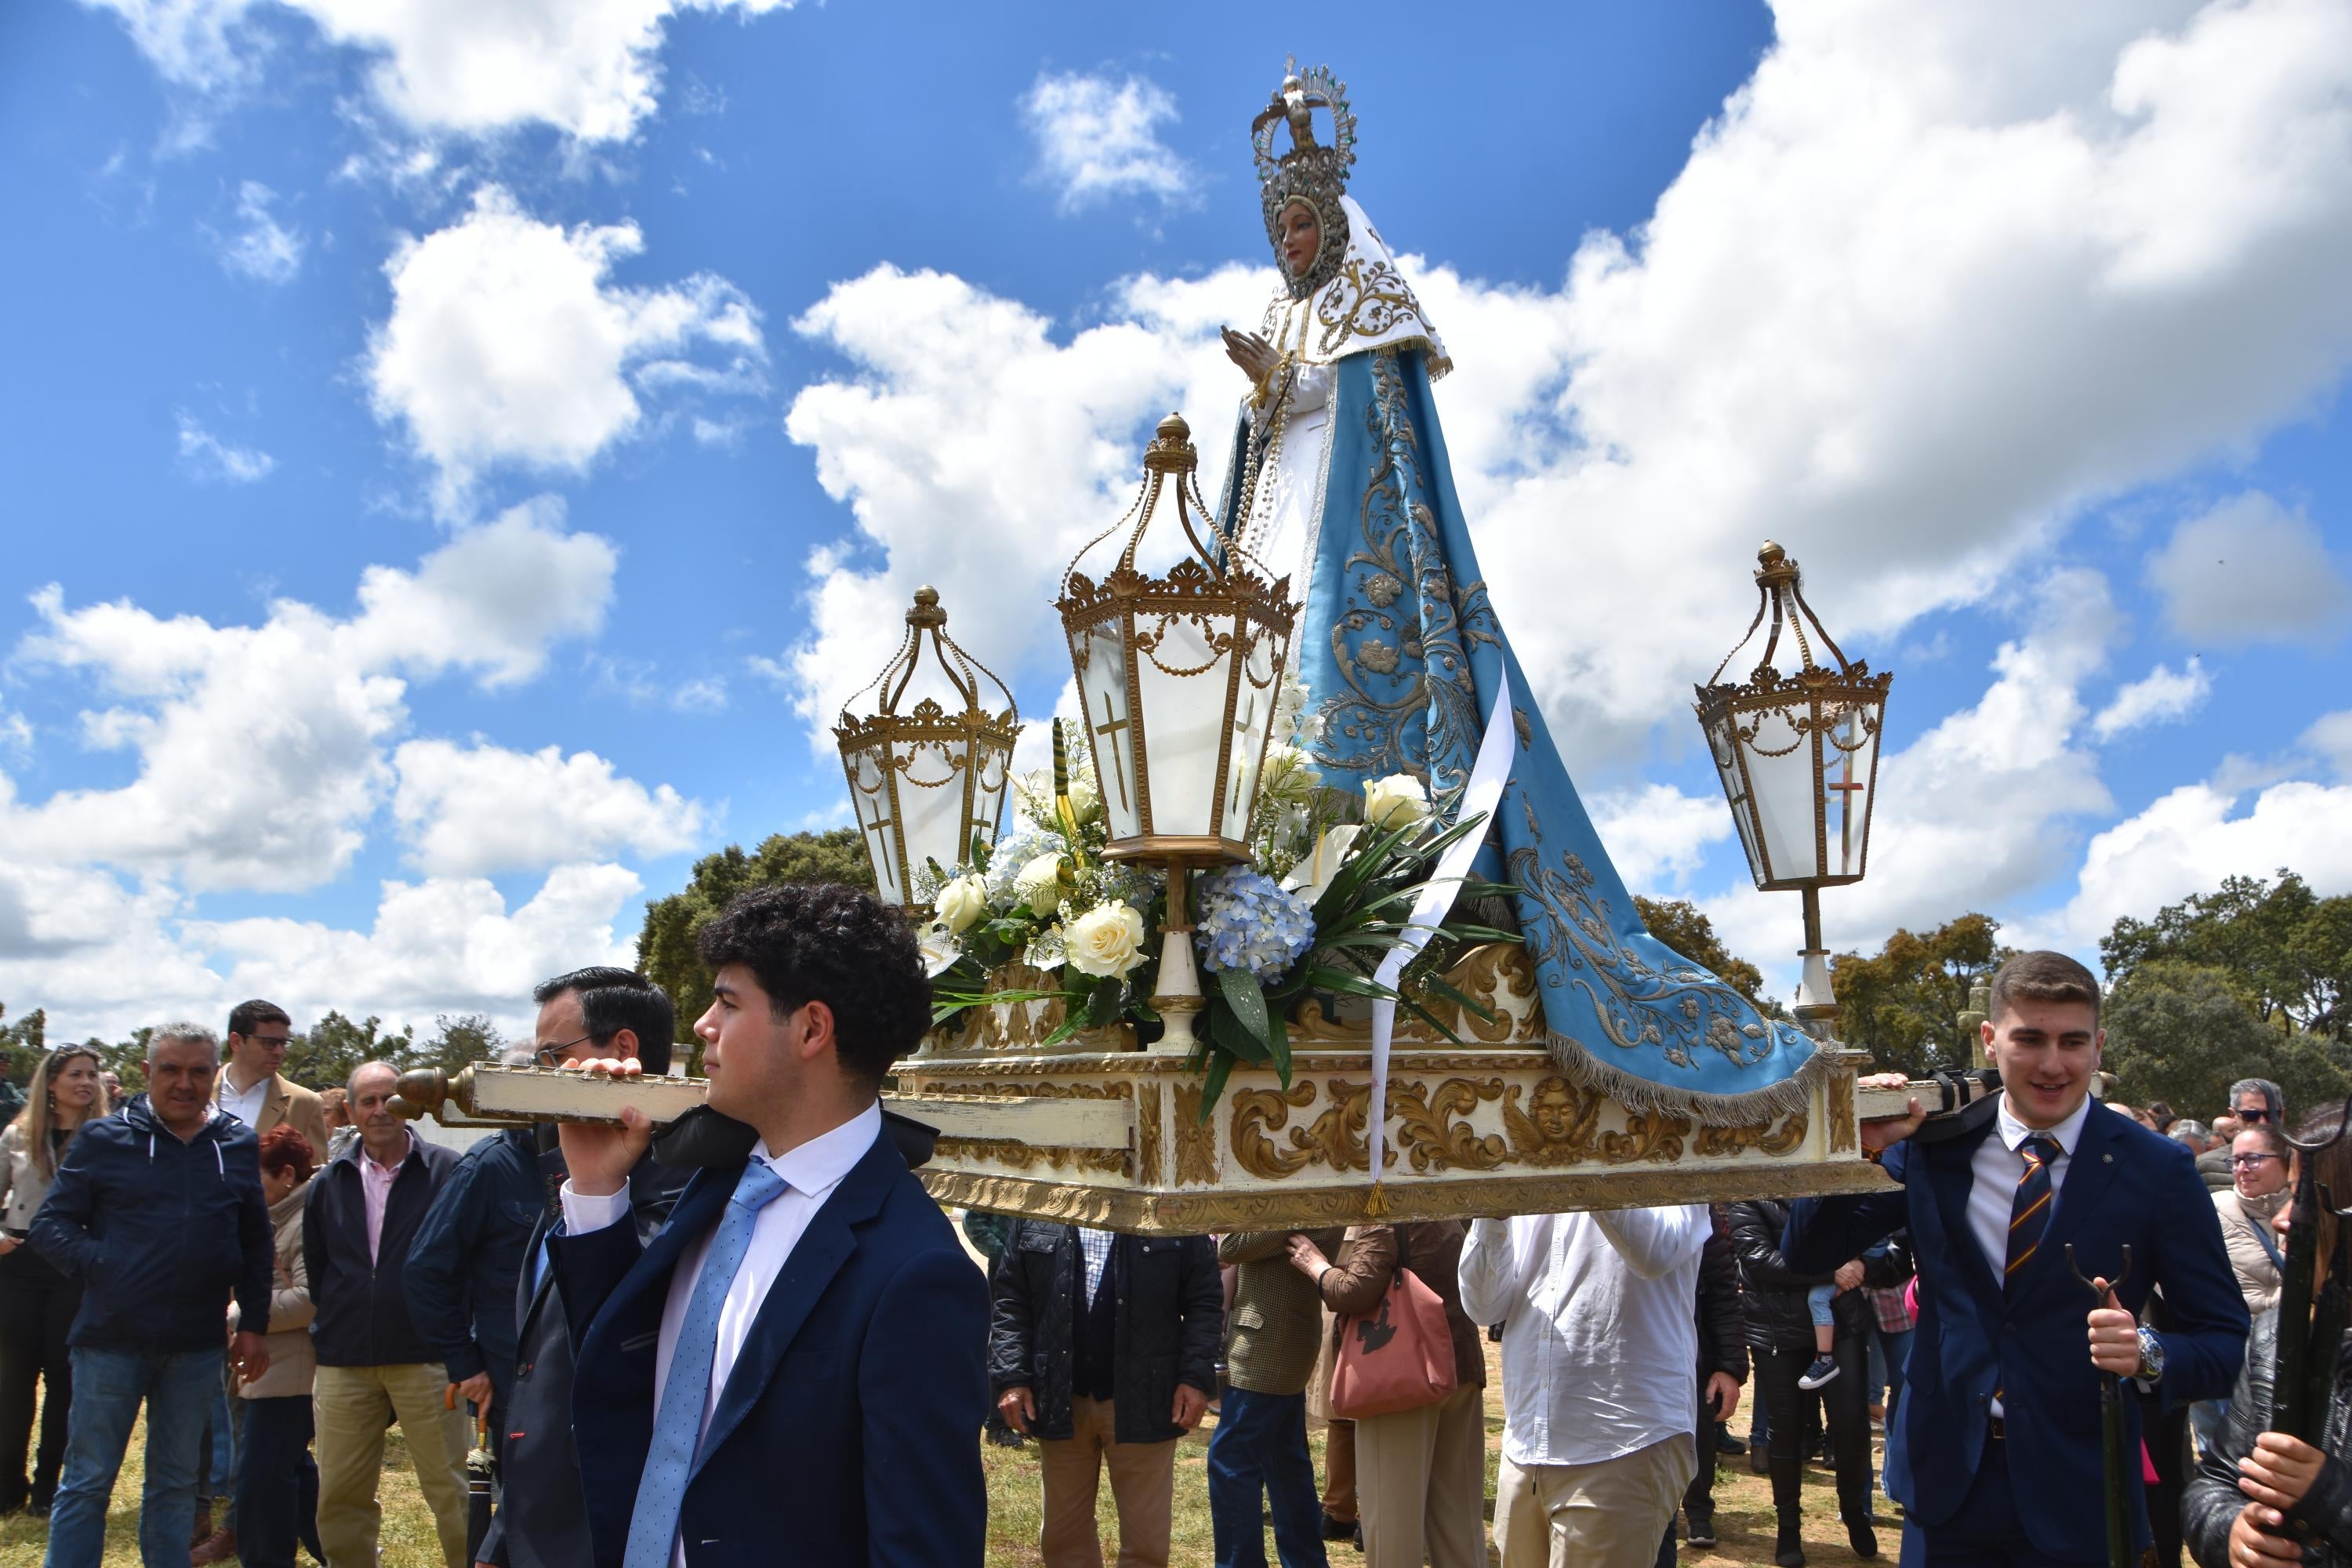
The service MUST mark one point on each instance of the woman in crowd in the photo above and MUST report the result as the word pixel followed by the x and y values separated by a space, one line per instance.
pixel 36 1302
pixel 2258 1170
pixel 2261 1498
pixel 1781 1336
pixel 1421 1474
pixel 278 1483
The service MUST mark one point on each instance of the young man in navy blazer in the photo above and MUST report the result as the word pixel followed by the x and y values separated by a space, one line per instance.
pixel 1999 1423
pixel 794 1368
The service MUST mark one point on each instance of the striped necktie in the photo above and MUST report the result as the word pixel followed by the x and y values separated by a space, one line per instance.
pixel 2028 1212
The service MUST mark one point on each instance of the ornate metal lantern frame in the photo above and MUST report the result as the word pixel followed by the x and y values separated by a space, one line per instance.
pixel 1792 750
pixel 928 782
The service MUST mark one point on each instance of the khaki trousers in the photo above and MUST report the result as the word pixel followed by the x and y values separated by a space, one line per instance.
pixel 1609 1514
pixel 1340 1471
pixel 1421 1477
pixel 1143 1488
pixel 353 1405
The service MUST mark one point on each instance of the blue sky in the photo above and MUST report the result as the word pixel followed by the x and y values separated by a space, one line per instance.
pixel 399 400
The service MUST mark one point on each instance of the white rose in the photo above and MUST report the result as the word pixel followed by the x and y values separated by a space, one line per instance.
pixel 1107 940
pixel 1314 874
pixel 1038 884
pixel 961 903
pixel 1396 800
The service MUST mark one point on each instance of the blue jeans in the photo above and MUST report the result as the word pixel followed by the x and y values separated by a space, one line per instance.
pixel 277 1489
pixel 1817 1305
pixel 177 1387
pixel 1257 1462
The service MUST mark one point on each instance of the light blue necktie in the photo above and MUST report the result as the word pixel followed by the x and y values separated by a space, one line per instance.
pixel 677 1426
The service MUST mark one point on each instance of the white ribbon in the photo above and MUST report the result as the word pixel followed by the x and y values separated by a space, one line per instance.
pixel 1483 792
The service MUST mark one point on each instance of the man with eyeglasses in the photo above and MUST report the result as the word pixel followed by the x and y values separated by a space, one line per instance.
pixel 2257 1101
pixel 251 1087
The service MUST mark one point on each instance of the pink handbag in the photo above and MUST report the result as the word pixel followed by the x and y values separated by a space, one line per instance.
pixel 1399 1356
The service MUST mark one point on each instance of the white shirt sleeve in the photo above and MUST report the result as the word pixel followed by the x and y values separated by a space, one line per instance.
pixel 1489 1277
pixel 1655 1242
pixel 584 1214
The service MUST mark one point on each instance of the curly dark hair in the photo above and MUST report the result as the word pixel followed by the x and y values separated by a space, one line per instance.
pixel 822 941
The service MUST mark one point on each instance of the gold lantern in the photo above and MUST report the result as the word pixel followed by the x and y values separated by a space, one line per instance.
pixel 1177 678
pixel 929 779
pixel 1797 756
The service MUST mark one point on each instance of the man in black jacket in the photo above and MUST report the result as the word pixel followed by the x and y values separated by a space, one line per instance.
pixel 158 1212
pixel 1105 1347
pixel 358 1223
pixel 1722 1370
pixel 590 1014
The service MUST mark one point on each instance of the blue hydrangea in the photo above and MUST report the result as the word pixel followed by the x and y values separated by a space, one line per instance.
pixel 1245 920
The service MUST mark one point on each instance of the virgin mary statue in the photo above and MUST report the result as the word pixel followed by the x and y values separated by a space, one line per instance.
pixel 1338 478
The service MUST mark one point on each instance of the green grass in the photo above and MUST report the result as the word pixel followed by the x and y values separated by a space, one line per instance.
pixel 1743 1510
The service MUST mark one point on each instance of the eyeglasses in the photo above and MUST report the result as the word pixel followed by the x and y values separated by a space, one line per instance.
pixel 2254 1113
pixel 280 1041
pixel 553 1056
pixel 2250 1162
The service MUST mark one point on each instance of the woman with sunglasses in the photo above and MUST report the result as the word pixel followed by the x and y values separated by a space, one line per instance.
pixel 36 1302
pixel 2248 1211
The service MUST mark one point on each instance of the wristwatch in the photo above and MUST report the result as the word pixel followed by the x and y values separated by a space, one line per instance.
pixel 2151 1355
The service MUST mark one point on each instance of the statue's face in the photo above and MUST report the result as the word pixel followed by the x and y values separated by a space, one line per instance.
pixel 1298 238
pixel 1554 1107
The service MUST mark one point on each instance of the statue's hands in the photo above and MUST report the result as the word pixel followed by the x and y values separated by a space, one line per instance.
pixel 2280 1470
pixel 599 1159
pixel 1252 353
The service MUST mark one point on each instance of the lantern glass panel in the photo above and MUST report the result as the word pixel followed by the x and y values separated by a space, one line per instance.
pixel 1849 773
pixel 1183 682
pixel 1253 724
pixel 1723 746
pixel 1100 658
pixel 987 800
pixel 1781 771
pixel 870 797
pixel 930 797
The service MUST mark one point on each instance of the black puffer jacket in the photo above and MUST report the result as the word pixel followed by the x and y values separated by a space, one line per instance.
pixel 2322 1522
pixel 1722 1317
pixel 1171 1321
pixel 1774 1303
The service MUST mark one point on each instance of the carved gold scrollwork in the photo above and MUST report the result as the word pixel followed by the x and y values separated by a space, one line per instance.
pixel 1021 1156
pixel 1337 1137
pixel 1148 1169
pixel 1259 1112
pixel 1434 1131
pixel 1196 1140
pixel 1841 1113
pixel 1493 976
pixel 1561 1127
pixel 1758 1135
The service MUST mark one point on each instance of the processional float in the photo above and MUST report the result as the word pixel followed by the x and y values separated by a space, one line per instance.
pixel 1197 988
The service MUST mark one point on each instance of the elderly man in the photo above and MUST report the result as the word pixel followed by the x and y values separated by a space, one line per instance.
pixel 158 1211
pixel 373 1365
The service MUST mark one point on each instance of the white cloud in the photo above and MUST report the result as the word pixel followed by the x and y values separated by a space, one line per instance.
pixel 507 343
pixel 2188 841
pixel 2160 697
pixel 206 457
pixel 2250 571
pixel 467 811
pixel 263 250
pixel 260 748
pixel 1098 138
pixel 588 68
pixel 2330 735
pixel 1656 835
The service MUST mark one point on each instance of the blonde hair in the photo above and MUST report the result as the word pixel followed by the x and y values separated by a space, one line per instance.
pixel 35 1122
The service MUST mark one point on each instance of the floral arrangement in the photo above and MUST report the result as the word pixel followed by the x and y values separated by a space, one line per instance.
pixel 1330 886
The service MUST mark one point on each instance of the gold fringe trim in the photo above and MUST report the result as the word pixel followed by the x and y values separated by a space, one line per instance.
pixel 1794 1092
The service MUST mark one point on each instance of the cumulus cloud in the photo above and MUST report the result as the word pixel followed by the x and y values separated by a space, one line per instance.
pixel 589 68
pixel 507 343
pixel 205 456
pixel 469 810
pixel 260 748
pixel 2249 570
pixel 1657 835
pixel 2160 697
pixel 2191 837
pixel 2331 736
pixel 1099 137
pixel 262 249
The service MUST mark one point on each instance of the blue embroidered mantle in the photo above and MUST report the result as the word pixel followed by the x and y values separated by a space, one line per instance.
pixel 1402 654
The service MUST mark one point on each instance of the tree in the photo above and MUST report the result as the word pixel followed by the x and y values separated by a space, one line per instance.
pixel 325 1057
pixel 2183 1033
pixel 1904 1006
pixel 22 1044
pixel 1682 926
pixel 665 950
pixel 460 1042
pixel 2286 952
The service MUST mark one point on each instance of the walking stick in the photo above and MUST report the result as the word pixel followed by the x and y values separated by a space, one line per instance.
pixel 2111 1428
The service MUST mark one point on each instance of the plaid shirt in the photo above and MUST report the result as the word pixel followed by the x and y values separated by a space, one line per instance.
pixel 1893 1318
pixel 1096 1245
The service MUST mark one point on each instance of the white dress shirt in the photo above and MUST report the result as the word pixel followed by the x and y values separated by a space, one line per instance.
pixel 810 1173
pixel 1599 1334
pixel 246 1106
pixel 1995 1169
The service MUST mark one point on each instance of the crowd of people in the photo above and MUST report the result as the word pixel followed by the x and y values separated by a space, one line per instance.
pixel 758 1340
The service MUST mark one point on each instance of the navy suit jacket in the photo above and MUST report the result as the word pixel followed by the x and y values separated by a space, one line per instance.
pixel 2124 1185
pixel 848 1431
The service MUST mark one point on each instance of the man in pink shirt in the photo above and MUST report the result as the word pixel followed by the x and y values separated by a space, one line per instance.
pixel 373 1365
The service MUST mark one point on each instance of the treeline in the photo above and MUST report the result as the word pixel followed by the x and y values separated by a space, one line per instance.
pixel 318 1057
